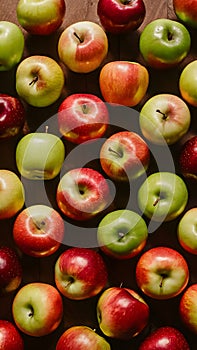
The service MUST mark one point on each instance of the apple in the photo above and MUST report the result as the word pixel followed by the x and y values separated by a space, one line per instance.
pixel 162 273
pixel 186 11
pixel 80 273
pixel 186 231
pixel 39 156
pixel 12 44
pixel 120 16
pixel 10 270
pixel 41 17
pixel 39 80
pixel 12 194
pixel 38 230
pixel 124 156
pixel 123 82
pixel 164 43
pixel 165 338
pixel 188 84
pixel 164 119
pixel 37 309
pixel 188 308
pixel 122 234
pixel 162 196
pixel 82 193
pixel 122 313
pixel 82 117
pixel 82 46
pixel 188 158
pixel 83 338
pixel 10 338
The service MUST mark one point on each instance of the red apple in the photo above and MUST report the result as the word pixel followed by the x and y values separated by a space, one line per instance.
pixel 186 11
pixel 10 270
pixel 188 158
pixel 38 230
pixel 122 313
pixel 188 308
pixel 165 338
pixel 120 16
pixel 124 156
pixel 124 83
pixel 82 117
pixel 80 273
pixel 10 338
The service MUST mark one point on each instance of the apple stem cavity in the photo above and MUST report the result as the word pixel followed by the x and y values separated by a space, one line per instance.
pixel 84 109
pixel 164 116
pixel 119 154
pixel 78 37
pixel 163 276
pixel 31 312
pixel 33 81
pixel 126 2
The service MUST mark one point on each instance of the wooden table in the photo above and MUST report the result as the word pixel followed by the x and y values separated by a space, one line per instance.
pixel 123 47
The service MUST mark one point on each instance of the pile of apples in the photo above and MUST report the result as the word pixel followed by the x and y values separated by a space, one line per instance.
pixel 86 153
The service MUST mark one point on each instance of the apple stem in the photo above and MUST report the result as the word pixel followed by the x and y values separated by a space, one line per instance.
pixel 84 108
pixel 156 201
pixel 33 81
pixel 121 284
pixel 31 313
pixel 46 129
pixel 163 276
pixel 163 114
pixel 119 154
pixel 78 37
pixel 121 235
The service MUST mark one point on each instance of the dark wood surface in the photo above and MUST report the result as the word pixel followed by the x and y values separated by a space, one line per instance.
pixel 123 47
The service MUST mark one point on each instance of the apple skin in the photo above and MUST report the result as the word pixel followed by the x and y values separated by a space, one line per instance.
pixel 12 194
pixel 162 273
pixel 82 46
pixel 119 17
pixel 121 313
pixel 162 196
pixel 164 118
pixel 124 156
pixel 82 117
pixel 123 82
pixel 186 231
pixel 188 84
pixel 10 270
pixel 186 12
pixel 188 158
pixel 41 18
pixel 12 44
pixel 164 43
pixel 37 309
pixel 39 80
pixel 36 165
pixel 188 308
pixel 82 193
pixel 165 338
pixel 38 231
pixel 10 338
pixel 83 338
pixel 122 234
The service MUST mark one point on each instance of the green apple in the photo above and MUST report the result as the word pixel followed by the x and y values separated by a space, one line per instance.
pixel 187 231
pixel 39 156
pixel 162 196
pixel 39 80
pixel 188 83
pixel 122 234
pixel 164 43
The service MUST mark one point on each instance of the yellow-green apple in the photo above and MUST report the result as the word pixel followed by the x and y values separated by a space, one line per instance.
pixel 39 156
pixel 10 270
pixel 188 308
pixel 122 234
pixel 164 119
pixel 186 12
pixel 38 230
pixel 164 43
pixel 37 309
pixel 82 46
pixel 120 16
pixel 12 194
pixel 12 116
pixel 82 193
pixel 187 231
pixel 41 17
pixel 122 313
pixel 188 158
pixel 124 156
pixel 39 80
pixel 123 82
pixel 165 338
pixel 83 338
pixel 162 273
pixel 10 338
pixel 80 273
pixel 188 84
pixel 162 196
pixel 11 45
pixel 82 117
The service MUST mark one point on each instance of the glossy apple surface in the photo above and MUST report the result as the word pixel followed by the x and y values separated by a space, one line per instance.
pixel 123 82
pixel 188 84
pixel 188 158
pixel 10 338
pixel 188 308
pixel 186 231
pixel 186 12
pixel 10 270
pixel 162 273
